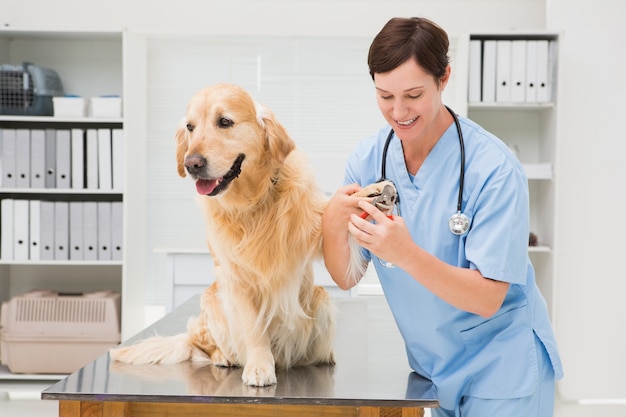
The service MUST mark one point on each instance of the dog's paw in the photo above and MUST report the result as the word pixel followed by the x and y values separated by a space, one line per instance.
pixel 252 391
pixel 372 190
pixel 259 375
pixel 219 359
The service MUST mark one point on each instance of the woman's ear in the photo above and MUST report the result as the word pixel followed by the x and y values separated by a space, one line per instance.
pixel 443 81
pixel 181 147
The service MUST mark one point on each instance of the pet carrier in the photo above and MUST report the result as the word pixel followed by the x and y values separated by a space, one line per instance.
pixel 48 332
pixel 27 90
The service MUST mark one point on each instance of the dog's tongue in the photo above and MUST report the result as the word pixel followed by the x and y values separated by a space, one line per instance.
pixel 205 187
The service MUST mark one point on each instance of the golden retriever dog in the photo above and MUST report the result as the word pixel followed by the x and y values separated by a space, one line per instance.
pixel 263 213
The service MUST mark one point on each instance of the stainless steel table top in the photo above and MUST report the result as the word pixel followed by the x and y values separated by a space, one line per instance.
pixel 371 370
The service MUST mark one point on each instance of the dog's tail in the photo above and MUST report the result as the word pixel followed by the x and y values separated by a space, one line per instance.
pixel 357 265
pixel 158 349
pixel 166 350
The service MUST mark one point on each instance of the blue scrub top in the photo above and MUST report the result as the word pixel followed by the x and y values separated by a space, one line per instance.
pixel 461 352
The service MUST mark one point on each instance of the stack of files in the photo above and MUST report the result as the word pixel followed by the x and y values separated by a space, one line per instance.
pixel 510 70
pixel 40 230
pixel 62 158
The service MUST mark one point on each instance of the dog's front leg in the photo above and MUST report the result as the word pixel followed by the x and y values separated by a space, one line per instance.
pixel 260 368
pixel 253 340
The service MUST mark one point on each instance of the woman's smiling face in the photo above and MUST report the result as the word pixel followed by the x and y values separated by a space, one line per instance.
pixel 409 98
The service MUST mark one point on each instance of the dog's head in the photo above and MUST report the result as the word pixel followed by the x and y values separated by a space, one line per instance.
pixel 228 140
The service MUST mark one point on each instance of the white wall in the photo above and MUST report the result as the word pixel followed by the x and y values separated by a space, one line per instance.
pixel 270 17
pixel 590 247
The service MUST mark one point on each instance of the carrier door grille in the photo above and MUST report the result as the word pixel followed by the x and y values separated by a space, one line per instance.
pixel 16 90
pixel 61 310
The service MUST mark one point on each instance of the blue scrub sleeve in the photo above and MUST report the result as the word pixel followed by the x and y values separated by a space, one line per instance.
pixel 497 244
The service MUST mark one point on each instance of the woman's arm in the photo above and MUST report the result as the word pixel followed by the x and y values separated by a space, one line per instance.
pixel 463 288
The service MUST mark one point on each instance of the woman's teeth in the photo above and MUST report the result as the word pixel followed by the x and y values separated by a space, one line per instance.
pixel 407 122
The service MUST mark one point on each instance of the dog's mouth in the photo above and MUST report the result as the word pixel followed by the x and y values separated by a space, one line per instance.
pixel 213 186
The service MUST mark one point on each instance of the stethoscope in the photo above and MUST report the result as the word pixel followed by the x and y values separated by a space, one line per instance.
pixel 458 222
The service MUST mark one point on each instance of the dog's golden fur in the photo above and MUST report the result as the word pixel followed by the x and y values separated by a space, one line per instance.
pixel 357 265
pixel 264 231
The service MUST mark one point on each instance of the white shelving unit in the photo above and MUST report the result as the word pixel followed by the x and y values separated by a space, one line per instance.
pixel 529 128
pixel 96 63
pixel 89 64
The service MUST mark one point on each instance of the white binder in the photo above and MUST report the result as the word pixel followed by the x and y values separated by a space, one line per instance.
pixel 117 230
pixel 90 230
pixel 531 71
pixel 6 229
pixel 61 230
pixel 474 71
pixel 34 229
pixel 104 230
pixel 21 236
pixel 76 231
pixel 543 80
pixel 489 72
pixel 8 157
pixel 63 159
pixel 503 71
pixel 518 71
pixel 46 235
pixel 22 158
pixel 78 157
pixel 91 145
pixel 51 158
pixel 117 150
pixel 553 50
pixel 38 158
pixel 105 179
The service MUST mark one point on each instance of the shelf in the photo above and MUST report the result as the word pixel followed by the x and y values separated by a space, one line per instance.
pixel 60 34
pixel 539 249
pixel 51 122
pixel 90 63
pixel 5 374
pixel 512 106
pixel 65 262
pixel 516 35
pixel 52 119
pixel 56 191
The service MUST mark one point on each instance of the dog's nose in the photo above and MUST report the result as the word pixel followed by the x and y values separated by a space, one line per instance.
pixel 195 163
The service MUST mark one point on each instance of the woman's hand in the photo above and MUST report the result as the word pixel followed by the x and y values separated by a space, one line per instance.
pixel 387 237
pixel 335 221
pixel 340 207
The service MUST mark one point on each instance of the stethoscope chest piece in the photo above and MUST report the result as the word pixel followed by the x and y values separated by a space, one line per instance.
pixel 458 223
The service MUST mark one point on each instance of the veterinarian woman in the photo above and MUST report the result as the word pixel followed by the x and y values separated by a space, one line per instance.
pixel 458 279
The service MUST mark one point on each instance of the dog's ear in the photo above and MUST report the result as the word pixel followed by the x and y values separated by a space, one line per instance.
pixel 181 147
pixel 278 140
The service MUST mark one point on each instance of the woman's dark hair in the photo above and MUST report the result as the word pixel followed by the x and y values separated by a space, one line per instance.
pixel 404 38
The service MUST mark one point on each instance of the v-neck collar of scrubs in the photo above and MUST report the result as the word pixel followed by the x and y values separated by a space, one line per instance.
pixel 447 143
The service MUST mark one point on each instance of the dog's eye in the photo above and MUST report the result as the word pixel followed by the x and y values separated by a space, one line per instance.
pixel 224 122
pixel 190 127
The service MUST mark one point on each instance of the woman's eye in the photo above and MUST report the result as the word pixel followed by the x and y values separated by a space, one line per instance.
pixel 190 127
pixel 414 97
pixel 224 122
pixel 386 97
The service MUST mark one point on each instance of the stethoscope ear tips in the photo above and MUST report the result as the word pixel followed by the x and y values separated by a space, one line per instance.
pixel 458 223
